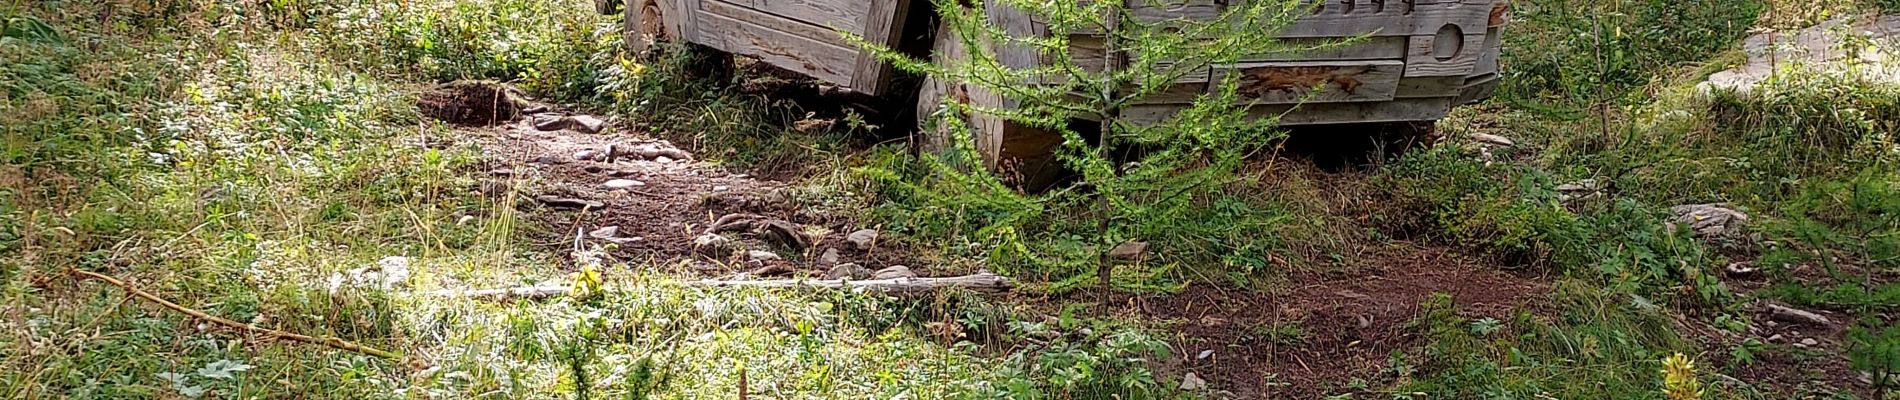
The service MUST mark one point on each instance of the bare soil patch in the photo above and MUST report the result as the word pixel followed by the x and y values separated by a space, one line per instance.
pixel 1322 329
pixel 657 197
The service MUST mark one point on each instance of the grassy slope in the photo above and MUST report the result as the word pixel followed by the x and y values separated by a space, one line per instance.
pixel 252 160
pixel 238 169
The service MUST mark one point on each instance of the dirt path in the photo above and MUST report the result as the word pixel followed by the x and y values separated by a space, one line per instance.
pixel 651 203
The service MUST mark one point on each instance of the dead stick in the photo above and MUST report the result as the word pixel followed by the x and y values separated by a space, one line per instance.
pixel 332 342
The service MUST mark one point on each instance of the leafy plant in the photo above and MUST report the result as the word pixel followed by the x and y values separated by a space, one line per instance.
pixel 1135 179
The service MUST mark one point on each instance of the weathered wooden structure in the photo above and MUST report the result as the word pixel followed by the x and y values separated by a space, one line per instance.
pixel 1419 57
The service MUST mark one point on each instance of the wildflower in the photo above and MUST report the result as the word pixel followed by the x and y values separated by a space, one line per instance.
pixel 1679 382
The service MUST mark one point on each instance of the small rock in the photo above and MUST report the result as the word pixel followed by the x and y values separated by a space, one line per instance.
pixel 612 234
pixel 663 160
pixel 1809 342
pixel 551 122
pixel 465 220
pixel 863 239
pixel 1192 382
pixel 586 155
pixel 1708 220
pixel 1740 269
pixel 623 184
pixel 762 256
pixel 1775 338
pixel 586 123
pixel 712 245
pixel 782 233
pixel 830 257
pixel 1204 354
pixel 568 203
pixel 847 271
pixel 1129 250
pixel 1796 316
pixel 893 272
pixel 1491 139
pixel 1585 185
pixel 720 188
pixel 771 270
pixel 534 110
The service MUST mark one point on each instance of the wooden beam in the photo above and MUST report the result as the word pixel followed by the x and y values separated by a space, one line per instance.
pixel 883 25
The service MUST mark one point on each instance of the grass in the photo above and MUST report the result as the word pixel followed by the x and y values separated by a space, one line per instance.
pixel 260 161
pixel 272 171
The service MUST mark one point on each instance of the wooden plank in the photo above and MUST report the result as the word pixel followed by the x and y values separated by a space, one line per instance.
pixel 773 22
pixel 824 61
pixel 882 25
pixel 1401 110
pixel 1290 82
pixel 1476 89
pixel 1392 20
pixel 1488 60
pixel 840 15
pixel 1412 87
pixel 1425 58
pixel 1370 48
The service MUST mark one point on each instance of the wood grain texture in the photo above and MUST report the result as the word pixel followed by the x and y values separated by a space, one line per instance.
pixel 773 22
pixel 840 15
pixel 1289 82
pixel 883 25
pixel 1370 48
pixel 825 61
pixel 1399 110
pixel 1412 87
pixel 1422 56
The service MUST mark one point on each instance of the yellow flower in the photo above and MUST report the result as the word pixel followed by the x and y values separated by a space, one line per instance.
pixel 1679 381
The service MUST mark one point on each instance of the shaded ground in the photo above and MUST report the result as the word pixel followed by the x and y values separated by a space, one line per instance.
pixel 657 219
pixel 1321 330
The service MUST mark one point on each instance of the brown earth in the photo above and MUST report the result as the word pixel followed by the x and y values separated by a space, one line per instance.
pixel 1332 326
pixel 657 220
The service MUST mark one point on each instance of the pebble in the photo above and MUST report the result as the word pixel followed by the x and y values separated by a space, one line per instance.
pixel 830 257
pixel 863 239
pixel 612 234
pixel 586 155
pixel 1809 342
pixel 720 188
pixel 1192 382
pixel 1130 250
pixel 663 160
pixel 586 123
pixel 893 272
pixel 465 220
pixel 623 184
pixel 762 256
pixel 847 271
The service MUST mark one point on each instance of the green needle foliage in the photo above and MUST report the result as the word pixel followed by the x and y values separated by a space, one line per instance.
pixel 1135 180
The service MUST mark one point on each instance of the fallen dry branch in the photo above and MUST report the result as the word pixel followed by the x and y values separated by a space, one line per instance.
pixel 332 342
pixel 537 291
pixel 980 282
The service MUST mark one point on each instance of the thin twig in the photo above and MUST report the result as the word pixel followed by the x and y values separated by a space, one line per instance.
pixel 328 341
